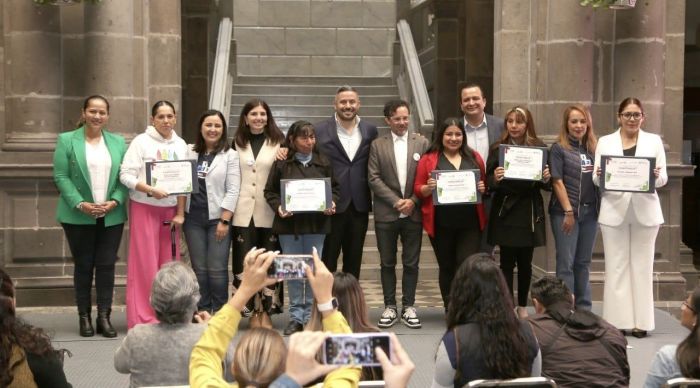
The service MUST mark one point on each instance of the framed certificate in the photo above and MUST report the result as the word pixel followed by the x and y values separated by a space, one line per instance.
pixel 456 187
pixel 627 173
pixel 522 162
pixel 309 195
pixel 173 176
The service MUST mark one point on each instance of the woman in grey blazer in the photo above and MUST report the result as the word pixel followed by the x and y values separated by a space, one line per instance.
pixel 209 212
pixel 629 223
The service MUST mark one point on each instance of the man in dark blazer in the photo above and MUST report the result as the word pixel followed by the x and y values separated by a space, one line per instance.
pixel 482 130
pixel 345 140
pixel 392 168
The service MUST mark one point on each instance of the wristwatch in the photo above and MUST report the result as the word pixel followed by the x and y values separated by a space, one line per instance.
pixel 328 306
pixel 225 222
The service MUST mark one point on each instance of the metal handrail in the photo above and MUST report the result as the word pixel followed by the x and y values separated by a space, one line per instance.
pixel 411 82
pixel 221 80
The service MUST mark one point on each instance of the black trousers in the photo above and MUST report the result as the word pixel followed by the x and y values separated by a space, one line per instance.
pixel 94 249
pixel 348 231
pixel 244 239
pixel 452 246
pixel 522 257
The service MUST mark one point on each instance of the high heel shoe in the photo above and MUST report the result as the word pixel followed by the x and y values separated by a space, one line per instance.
pixel 85 323
pixel 104 326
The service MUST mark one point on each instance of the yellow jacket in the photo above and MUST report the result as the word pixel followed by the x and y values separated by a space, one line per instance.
pixel 205 363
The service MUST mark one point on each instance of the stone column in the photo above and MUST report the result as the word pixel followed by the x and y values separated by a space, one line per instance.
pixel 112 59
pixel 163 53
pixel 32 76
pixel 449 50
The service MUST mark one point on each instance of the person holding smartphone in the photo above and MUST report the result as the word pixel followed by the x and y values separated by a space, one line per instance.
pixel 301 367
pixel 300 233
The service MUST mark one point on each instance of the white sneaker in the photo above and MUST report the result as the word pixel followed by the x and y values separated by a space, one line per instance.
pixel 388 318
pixel 409 318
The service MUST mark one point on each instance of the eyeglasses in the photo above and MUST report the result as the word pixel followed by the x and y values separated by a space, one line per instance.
pixel 688 307
pixel 632 115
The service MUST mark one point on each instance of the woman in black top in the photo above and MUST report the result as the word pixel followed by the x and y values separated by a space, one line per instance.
pixel 516 223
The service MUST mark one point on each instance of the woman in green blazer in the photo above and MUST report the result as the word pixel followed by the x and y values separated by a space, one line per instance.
pixel 91 209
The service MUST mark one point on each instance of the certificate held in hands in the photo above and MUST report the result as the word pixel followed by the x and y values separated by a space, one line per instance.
pixel 456 187
pixel 522 162
pixel 306 195
pixel 627 173
pixel 173 176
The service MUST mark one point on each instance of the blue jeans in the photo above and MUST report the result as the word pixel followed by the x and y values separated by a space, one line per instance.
pixel 300 295
pixel 574 253
pixel 209 260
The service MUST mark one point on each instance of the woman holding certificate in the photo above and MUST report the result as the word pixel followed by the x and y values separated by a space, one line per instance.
pixel 301 230
pixel 454 228
pixel 91 209
pixel 516 222
pixel 153 211
pixel 573 209
pixel 630 217
pixel 257 141
pixel 209 211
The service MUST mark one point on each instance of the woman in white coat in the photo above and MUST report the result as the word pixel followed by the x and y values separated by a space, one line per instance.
pixel 629 223
pixel 209 211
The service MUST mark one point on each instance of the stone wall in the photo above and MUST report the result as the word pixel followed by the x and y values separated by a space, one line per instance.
pixel 551 53
pixel 314 37
pixel 51 58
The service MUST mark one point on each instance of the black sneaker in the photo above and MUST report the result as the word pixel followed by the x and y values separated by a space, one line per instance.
pixel 409 318
pixel 388 318
pixel 293 327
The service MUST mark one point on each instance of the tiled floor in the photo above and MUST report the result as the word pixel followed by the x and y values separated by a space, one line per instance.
pixel 427 293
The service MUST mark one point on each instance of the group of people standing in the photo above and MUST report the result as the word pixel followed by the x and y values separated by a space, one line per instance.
pixel 238 204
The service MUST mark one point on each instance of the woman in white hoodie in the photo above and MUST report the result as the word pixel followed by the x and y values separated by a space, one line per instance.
pixel 152 210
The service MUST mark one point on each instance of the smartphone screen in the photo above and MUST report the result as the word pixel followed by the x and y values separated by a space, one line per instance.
pixel 355 349
pixel 290 266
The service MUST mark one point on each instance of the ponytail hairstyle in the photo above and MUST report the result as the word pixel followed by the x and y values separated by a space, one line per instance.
pixel 86 103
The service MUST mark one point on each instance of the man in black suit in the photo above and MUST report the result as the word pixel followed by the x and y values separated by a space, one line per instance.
pixel 346 140
pixel 482 130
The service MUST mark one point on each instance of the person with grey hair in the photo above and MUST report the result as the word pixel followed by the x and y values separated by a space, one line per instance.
pixel 159 353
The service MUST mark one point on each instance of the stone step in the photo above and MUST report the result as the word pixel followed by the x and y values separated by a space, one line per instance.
pixel 335 81
pixel 276 99
pixel 301 108
pixel 291 89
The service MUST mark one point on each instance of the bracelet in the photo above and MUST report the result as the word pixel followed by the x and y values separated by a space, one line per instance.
pixel 568 212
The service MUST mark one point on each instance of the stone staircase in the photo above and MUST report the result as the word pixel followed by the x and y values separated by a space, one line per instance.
pixel 311 98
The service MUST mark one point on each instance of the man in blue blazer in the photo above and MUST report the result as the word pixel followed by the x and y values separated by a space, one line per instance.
pixel 346 140
pixel 482 130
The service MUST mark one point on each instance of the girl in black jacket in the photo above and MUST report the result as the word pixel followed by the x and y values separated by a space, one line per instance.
pixel 300 233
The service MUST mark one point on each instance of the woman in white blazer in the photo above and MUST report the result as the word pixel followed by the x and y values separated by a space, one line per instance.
pixel 209 211
pixel 257 141
pixel 629 223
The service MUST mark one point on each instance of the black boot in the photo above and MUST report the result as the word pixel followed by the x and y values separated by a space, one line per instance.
pixel 85 322
pixel 104 326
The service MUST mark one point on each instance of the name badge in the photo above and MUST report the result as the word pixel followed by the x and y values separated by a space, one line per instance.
pixel 416 156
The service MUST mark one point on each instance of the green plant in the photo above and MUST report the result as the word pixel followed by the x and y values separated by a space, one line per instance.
pixel 58 2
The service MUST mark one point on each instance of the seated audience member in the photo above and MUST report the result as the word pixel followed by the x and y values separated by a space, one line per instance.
pixel 578 347
pixel 251 368
pixel 682 360
pixel 27 358
pixel 484 339
pixel 351 303
pixel 159 353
